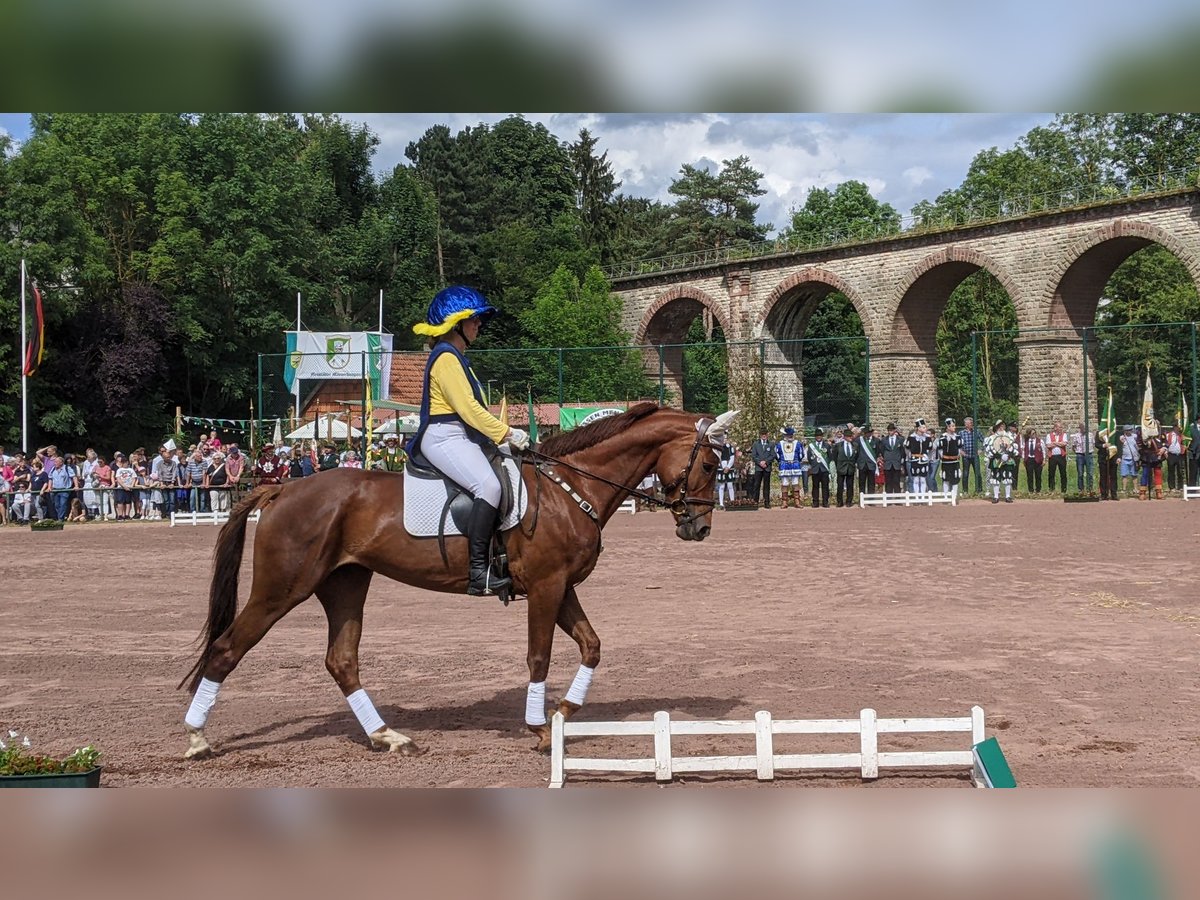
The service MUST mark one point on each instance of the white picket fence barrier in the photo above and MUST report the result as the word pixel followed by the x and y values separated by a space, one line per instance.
pixel 207 518
pixel 765 762
pixel 1191 493
pixel 629 506
pixel 907 499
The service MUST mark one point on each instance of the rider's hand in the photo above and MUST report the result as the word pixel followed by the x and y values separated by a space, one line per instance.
pixel 517 438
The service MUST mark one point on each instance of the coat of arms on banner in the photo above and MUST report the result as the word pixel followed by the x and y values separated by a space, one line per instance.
pixel 337 351
pixel 295 358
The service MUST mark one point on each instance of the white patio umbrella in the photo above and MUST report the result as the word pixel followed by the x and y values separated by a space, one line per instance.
pixel 340 431
pixel 401 425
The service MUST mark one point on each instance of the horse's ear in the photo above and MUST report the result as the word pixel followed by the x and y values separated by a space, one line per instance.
pixel 718 429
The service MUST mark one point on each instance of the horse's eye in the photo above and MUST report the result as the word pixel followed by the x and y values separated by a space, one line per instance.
pixel 708 468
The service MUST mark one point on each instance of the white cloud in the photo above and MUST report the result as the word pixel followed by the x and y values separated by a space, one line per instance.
pixel 917 175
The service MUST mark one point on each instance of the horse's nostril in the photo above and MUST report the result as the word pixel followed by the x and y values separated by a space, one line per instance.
pixel 702 532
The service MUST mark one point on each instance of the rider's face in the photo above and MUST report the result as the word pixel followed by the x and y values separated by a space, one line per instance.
pixel 471 328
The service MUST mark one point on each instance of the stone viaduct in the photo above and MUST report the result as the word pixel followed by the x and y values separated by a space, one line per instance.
pixel 1054 266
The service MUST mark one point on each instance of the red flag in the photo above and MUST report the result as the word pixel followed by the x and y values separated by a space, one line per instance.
pixel 33 352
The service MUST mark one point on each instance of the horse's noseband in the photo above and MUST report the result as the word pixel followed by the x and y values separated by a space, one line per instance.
pixel 679 507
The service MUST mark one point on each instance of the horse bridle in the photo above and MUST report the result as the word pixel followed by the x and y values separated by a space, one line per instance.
pixel 679 507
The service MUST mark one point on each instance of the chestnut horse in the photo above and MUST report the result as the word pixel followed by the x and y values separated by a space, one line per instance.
pixel 327 534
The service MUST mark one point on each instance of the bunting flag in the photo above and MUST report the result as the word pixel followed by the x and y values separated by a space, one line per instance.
pixel 533 425
pixel 369 455
pixel 33 351
pixel 503 414
pixel 1181 408
pixel 1149 422
pixel 1109 421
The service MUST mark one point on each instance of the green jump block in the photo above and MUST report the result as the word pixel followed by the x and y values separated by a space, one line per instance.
pixel 991 768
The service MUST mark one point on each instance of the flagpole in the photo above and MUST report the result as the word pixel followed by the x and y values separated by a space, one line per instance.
pixel 296 379
pixel 381 310
pixel 24 380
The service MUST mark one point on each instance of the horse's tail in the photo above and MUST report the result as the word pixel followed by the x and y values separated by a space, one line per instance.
pixel 223 594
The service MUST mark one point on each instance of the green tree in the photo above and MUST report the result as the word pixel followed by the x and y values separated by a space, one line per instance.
pixel 846 212
pixel 705 368
pixel 595 185
pixel 715 211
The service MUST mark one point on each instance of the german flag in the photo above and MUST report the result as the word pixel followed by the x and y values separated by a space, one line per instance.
pixel 33 352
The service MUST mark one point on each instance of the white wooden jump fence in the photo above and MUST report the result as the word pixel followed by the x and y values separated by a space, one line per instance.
pixel 1191 492
pixel 907 499
pixel 765 762
pixel 629 506
pixel 207 518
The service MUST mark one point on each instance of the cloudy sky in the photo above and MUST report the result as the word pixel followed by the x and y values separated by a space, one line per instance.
pixel 903 157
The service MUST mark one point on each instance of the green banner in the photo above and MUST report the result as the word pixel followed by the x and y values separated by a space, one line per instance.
pixel 573 417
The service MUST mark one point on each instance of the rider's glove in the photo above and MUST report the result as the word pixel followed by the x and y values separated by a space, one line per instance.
pixel 518 438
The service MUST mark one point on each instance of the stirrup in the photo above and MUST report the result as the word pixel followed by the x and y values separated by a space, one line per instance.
pixel 492 585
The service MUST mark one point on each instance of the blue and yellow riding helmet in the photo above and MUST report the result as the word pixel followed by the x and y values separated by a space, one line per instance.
pixel 453 306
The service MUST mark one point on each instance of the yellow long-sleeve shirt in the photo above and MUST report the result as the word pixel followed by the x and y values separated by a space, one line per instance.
pixel 450 392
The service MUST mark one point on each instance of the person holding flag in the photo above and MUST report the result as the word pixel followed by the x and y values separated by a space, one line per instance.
pixel 1107 451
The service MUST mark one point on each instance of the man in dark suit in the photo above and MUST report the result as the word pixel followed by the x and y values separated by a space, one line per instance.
pixel 762 454
pixel 845 464
pixel 892 451
pixel 819 464
pixel 866 450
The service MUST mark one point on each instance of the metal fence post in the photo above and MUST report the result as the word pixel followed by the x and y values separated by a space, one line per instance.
pixel 1195 411
pixel 867 377
pixel 762 385
pixel 662 388
pixel 261 411
pixel 560 377
pixel 974 379
pixel 1087 423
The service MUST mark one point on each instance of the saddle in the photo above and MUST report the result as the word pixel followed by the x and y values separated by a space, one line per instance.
pixel 435 506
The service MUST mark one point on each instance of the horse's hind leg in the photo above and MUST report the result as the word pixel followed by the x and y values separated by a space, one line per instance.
pixel 573 621
pixel 343 593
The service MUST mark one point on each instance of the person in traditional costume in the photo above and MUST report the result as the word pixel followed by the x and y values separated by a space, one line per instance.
pixel 727 474
pixel 788 453
pixel 1107 451
pixel 949 451
pixel 392 457
pixel 455 423
pixel 1130 459
pixel 1002 454
pixel 818 469
pixel 918 447
pixel 269 469
pixel 1152 453
pixel 868 459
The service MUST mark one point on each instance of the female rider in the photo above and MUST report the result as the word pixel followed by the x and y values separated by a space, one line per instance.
pixel 456 425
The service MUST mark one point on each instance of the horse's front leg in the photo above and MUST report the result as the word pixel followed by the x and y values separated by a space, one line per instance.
pixel 544 605
pixel 573 621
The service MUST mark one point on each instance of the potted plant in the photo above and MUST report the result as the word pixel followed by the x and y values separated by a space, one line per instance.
pixel 741 505
pixel 46 525
pixel 1082 497
pixel 20 767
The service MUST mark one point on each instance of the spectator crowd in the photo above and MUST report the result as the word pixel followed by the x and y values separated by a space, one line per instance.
pixel 208 476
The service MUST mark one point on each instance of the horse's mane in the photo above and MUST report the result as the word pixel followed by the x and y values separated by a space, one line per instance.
pixel 590 435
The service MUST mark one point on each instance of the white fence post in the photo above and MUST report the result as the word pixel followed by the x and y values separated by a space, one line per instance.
pixel 764 746
pixel 556 750
pixel 868 743
pixel 662 746
pixel 977 732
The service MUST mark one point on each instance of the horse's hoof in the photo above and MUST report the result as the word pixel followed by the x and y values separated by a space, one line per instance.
pixel 395 742
pixel 542 732
pixel 198 746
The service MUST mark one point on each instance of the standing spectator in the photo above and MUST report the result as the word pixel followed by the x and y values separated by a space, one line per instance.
pixel 1002 454
pixel 1107 452
pixel 919 447
pixel 126 493
pixel 762 454
pixel 63 481
pixel 787 453
pixel 949 452
pixel 48 455
pixel 235 465
pixel 308 460
pixel 867 456
pixel 352 461
pixel 1153 453
pixel 972 445
pixel 268 469
pixel 141 468
pixel 1175 458
pixel 193 479
pixel 104 488
pixel 892 451
pixel 20 482
pixel 1033 451
pixel 1082 442
pixel 216 482
pixel 40 488
pixel 393 457
pixel 1056 449
pixel 1193 451
pixel 1130 459
pixel 726 471
pixel 819 469
pixel 91 500
pixel 931 480
pixel 328 458
pixel 295 467
pixel 845 464
pixel 164 477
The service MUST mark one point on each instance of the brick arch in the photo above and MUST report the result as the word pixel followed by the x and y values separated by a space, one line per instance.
pixel 808 276
pixel 958 257
pixel 1126 237
pixel 683 292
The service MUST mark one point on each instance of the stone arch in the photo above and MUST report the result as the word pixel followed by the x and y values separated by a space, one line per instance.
pixel 914 314
pixel 686 295
pixel 1074 288
pixel 816 276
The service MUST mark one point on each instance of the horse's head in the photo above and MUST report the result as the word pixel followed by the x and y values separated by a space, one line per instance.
pixel 687 470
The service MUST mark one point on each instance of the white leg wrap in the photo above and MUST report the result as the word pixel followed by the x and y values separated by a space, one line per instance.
pixel 202 703
pixel 364 711
pixel 1008 490
pixel 579 687
pixel 535 703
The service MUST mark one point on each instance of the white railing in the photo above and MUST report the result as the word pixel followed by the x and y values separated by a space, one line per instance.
pixel 765 762
pixel 907 499
pixel 1191 493
pixel 207 518
pixel 629 506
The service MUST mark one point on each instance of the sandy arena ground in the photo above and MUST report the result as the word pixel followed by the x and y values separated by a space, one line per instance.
pixel 1074 626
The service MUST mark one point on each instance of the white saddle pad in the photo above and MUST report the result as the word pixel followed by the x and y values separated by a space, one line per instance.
pixel 425 499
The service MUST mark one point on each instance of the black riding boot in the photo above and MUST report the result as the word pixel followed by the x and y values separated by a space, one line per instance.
pixel 479 536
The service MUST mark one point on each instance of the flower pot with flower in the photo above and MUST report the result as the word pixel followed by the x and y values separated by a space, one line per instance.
pixel 20 767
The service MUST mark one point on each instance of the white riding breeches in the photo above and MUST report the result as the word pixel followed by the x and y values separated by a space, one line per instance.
pixel 460 459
